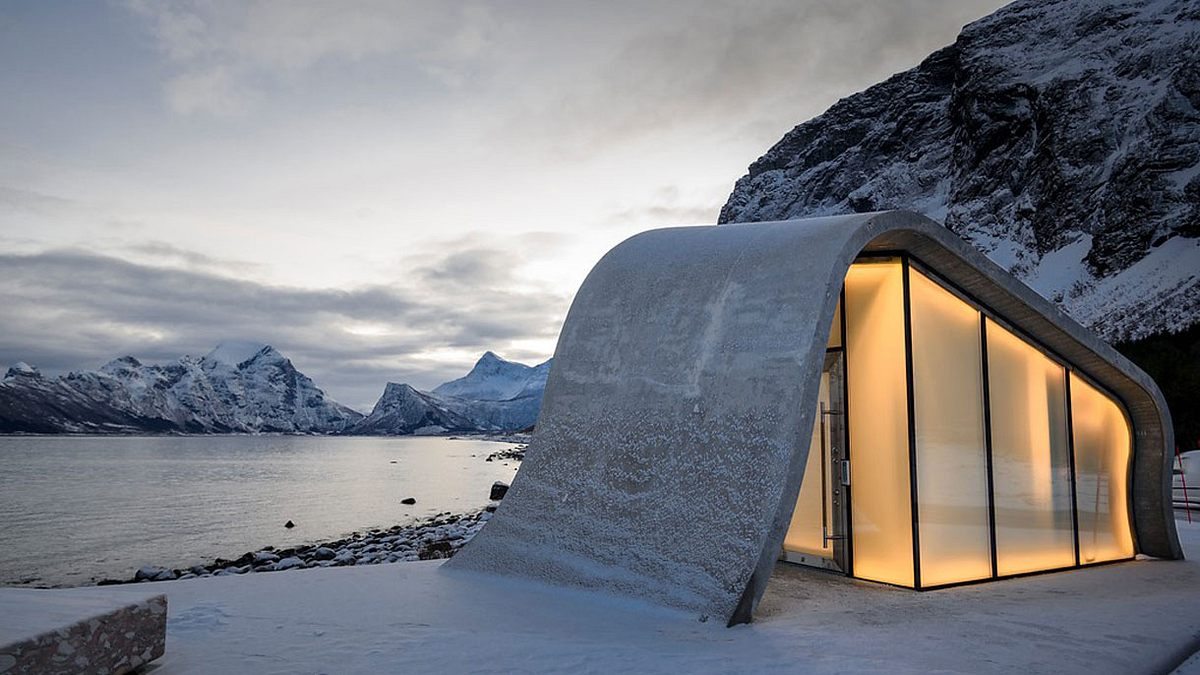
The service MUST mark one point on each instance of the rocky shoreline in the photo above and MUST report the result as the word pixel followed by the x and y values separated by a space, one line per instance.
pixel 438 537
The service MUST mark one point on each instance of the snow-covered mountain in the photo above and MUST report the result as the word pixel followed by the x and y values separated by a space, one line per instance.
pixel 237 387
pixel 1060 137
pixel 242 387
pixel 497 395
pixel 495 379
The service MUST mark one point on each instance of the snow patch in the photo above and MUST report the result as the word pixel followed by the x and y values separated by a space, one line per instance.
pixel 1126 617
pixel 1058 271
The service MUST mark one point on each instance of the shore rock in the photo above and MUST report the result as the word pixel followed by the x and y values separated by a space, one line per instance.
pixel 438 537
pixel 499 489
pixel 288 563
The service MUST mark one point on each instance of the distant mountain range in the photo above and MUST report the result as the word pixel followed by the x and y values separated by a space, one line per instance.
pixel 252 388
pixel 497 395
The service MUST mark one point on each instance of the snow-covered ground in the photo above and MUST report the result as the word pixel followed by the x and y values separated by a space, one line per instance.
pixel 1141 616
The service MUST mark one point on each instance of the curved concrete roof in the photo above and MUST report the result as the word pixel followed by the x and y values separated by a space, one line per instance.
pixel 677 416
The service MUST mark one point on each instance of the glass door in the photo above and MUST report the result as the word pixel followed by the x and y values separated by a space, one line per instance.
pixel 817 535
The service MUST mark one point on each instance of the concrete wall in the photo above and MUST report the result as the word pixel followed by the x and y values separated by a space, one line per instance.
pixel 674 431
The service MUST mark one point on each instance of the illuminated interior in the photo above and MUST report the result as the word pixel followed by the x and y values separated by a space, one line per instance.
pixel 806 533
pixel 985 448
pixel 1102 450
pixel 880 500
pixel 1031 463
pixel 951 453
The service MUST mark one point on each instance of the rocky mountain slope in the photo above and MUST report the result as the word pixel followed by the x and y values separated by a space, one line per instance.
pixel 238 387
pixel 1060 137
pixel 497 395
pixel 32 403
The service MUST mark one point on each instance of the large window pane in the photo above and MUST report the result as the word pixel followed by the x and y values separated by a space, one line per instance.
pixel 1030 460
pixel 806 532
pixel 1102 447
pixel 878 421
pixel 952 501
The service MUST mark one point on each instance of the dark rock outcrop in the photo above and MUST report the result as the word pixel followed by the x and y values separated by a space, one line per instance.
pixel 1060 137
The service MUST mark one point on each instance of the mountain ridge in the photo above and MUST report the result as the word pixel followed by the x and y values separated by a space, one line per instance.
pixel 248 387
pixel 1061 138
pixel 496 395
pixel 263 392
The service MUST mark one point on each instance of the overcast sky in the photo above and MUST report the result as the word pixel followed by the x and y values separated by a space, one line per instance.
pixel 383 190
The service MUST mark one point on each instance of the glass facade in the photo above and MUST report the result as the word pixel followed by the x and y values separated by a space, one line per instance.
pixel 1031 462
pixel 880 504
pixel 1102 440
pixel 806 533
pixel 993 454
pixel 951 453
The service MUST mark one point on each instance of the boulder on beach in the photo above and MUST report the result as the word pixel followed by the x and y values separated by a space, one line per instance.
pixel 499 489
pixel 289 524
pixel 153 573
pixel 408 500
pixel 289 563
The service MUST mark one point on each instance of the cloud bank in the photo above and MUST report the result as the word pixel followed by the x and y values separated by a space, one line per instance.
pixel 67 310
pixel 177 174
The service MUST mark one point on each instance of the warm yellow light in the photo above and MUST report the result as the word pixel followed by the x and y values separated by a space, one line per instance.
pixel 952 503
pixel 1030 456
pixel 805 533
pixel 878 422
pixel 1102 452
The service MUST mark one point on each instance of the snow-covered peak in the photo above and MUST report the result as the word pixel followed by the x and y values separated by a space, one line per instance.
pixel 235 353
pixel 22 369
pixel 490 357
pixel 496 379
pixel 394 389
pixel 120 365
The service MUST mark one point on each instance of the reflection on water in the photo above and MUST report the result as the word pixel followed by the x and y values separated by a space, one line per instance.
pixel 74 509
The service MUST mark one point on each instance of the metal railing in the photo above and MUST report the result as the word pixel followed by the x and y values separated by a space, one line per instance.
pixel 1181 496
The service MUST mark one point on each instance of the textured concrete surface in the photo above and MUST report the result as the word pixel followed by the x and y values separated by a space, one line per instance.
pixel 81 631
pixel 674 430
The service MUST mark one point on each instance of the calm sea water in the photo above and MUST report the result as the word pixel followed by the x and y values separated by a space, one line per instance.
pixel 77 509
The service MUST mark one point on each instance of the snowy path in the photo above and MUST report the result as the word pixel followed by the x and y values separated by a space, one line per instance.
pixel 413 617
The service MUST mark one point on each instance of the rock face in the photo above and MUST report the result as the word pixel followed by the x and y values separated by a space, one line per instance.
pixel 497 395
pixel 238 387
pixel 1060 137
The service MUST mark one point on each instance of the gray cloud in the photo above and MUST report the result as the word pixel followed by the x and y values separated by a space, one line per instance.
pixel 667 207
pixel 754 67
pixel 170 253
pixel 304 140
pixel 225 53
pixel 29 200
pixel 69 310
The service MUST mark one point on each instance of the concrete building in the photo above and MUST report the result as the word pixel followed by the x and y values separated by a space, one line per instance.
pixel 865 393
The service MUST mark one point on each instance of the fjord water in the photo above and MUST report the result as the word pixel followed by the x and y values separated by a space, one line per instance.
pixel 78 509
